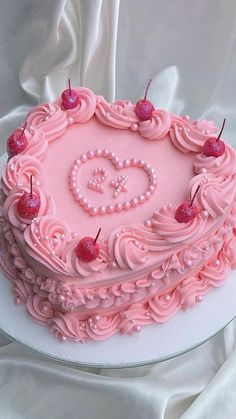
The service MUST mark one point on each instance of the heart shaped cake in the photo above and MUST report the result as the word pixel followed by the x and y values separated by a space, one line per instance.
pixel 114 217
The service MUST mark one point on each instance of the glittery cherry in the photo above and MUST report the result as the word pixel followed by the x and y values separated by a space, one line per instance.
pixel 87 249
pixel 188 210
pixel 70 98
pixel 29 203
pixel 17 142
pixel 144 108
pixel 214 146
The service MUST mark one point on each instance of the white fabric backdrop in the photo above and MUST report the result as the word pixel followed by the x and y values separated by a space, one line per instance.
pixel 114 47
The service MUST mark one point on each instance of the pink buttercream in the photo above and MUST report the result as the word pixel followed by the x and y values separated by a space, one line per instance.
pixel 17 172
pixel 49 118
pixel 85 109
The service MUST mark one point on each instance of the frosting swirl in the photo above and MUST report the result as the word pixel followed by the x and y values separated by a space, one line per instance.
pixel 164 306
pixel 128 248
pixel 17 172
pixel 46 239
pixel 187 137
pixel 86 108
pixel 66 326
pixel 49 118
pixel 119 114
pixel 216 270
pixel 81 268
pixel 39 308
pixel 169 232
pixel 157 126
pixel 47 206
pixel 215 193
pixel 37 145
pixel 224 165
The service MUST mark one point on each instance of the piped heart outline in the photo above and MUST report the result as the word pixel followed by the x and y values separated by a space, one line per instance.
pixel 119 165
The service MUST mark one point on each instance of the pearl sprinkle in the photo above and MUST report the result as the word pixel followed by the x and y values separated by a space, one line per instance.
pixel 119 184
pixel 96 183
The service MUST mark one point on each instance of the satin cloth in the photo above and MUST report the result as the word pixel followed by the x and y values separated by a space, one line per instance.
pixel 114 47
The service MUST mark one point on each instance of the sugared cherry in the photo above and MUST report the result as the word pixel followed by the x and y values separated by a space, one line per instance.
pixel 70 98
pixel 214 146
pixel 144 108
pixel 17 142
pixel 188 210
pixel 29 203
pixel 87 249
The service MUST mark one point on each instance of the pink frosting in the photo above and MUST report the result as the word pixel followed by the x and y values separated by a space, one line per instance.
pixel 37 145
pixel 170 232
pixel 129 248
pixel 46 239
pixel 17 172
pixel 187 137
pixel 85 269
pixel 157 127
pixel 10 206
pixel 49 118
pixel 119 114
pixel 85 109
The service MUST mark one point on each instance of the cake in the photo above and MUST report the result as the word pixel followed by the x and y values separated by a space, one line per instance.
pixel 158 191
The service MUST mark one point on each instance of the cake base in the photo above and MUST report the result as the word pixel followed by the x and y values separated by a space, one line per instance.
pixel 155 343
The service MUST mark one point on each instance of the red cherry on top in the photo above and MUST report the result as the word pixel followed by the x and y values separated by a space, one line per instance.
pixel 144 108
pixel 188 210
pixel 70 98
pixel 29 203
pixel 87 249
pixel 17 142
pixel 214 146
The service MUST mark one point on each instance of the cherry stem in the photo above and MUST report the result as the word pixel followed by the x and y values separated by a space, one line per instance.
pixel 31 186
pixel 194 196
pixel 22 132
pixel 222 128
pixel 69 85
pixel 98 233
pixel 145 95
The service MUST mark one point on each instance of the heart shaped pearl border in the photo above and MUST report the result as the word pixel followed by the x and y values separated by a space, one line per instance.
pixel 119 165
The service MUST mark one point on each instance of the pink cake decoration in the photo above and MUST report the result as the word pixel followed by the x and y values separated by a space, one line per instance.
pixel 144 196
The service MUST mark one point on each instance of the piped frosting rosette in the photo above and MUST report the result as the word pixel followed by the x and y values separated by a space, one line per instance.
pixel 47 206
pixel 170 232
pixel 81 268
pixel 49 118
pixel 187 137
pixel 214 273
pixel 39 308
pixel 16 173
pixel 224 165
pixel 128 248
pixel 215 194
pixel 46 239
pixel 65 326
pixel 37 145
pixel 119 114
pixel 85 109
pixel 156 127
pixel 163 307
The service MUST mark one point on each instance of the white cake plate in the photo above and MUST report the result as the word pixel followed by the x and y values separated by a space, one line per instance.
pixel 157 342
